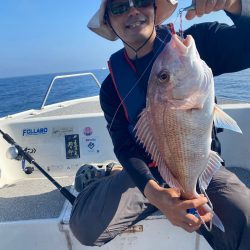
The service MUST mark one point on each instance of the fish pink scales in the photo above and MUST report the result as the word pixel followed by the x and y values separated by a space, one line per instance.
pixel 176 125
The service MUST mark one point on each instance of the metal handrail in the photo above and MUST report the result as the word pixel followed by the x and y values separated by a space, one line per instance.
pixel 67 76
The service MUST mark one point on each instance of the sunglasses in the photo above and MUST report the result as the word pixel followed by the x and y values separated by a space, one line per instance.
pixel 119 8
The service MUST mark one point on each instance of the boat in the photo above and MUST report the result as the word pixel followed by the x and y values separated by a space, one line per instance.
pixel 63 136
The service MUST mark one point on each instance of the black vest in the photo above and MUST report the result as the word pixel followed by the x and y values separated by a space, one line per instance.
pixel 130 84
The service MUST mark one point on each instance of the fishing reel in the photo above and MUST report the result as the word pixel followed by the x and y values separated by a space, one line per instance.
pixel 19 153
pixel 13 154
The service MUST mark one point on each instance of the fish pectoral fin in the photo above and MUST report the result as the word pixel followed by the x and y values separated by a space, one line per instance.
pixel 186 104
pixel 223 120
pixel 214 164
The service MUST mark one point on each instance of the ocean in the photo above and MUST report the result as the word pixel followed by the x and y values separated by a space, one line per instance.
pixel 18 94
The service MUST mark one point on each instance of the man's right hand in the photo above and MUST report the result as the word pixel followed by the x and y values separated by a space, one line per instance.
pixel 168 201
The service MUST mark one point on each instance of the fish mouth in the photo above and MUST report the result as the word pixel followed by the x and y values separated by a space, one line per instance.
pixel 187 41
pixel 181 45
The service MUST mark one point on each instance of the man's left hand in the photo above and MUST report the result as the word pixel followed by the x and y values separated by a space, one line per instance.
pixel 208 6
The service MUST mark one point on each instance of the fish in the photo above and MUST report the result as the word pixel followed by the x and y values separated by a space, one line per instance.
pixel 175 127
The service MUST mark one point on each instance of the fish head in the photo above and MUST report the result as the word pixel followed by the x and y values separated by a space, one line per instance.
pixel 179 77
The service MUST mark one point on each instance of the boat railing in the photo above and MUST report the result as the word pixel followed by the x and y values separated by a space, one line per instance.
pixel 66 76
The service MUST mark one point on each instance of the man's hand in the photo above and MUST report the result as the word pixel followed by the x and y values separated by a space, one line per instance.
pixel 168 201
pixel 208 6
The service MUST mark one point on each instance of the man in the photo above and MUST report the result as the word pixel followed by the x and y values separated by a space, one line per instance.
pixel 110 205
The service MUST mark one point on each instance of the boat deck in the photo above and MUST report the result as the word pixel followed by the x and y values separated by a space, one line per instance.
pixel 32 199
pixel 39 199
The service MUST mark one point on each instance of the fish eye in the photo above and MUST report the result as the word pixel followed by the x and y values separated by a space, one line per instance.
pixel 163 76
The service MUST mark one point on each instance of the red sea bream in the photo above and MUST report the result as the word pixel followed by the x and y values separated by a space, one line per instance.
pixel 176 125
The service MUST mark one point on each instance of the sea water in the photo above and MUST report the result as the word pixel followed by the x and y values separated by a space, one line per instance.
pixel 18 94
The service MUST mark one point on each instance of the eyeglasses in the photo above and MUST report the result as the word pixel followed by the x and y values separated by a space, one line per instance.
pixel 119 8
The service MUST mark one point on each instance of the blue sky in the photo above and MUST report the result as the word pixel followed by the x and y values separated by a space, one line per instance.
pixel 50 36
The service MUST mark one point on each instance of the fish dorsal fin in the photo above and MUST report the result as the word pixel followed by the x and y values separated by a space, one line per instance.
pixel 143 132
pixel 223 120
pixel 214 164
pixel 145 136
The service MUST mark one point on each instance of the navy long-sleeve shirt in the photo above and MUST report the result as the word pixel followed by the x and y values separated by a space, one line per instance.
pixel 224 48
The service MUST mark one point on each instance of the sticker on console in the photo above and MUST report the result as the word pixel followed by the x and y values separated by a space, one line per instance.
pixel 72 146
pixel 88 131
pixel 91 145
pixel 35 131
pixel 60 131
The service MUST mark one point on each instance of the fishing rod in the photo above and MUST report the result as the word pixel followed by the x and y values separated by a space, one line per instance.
pixel 26 156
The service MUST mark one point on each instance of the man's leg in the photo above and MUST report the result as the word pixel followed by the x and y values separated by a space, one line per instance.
pixel 231 201
pixel 107 207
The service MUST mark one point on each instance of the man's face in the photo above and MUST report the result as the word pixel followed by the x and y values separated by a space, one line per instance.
pixel 135 25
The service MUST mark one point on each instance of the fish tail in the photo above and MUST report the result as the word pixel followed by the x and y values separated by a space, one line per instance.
pixel 209 208
pixel 215 220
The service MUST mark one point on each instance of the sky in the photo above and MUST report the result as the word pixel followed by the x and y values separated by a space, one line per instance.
pixel 50 36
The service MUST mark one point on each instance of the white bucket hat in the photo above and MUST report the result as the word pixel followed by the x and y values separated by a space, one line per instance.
pixel 97 24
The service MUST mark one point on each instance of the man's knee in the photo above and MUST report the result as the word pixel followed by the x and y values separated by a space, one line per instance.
pixel 88 220
pixel 85 220
pixel 88 234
